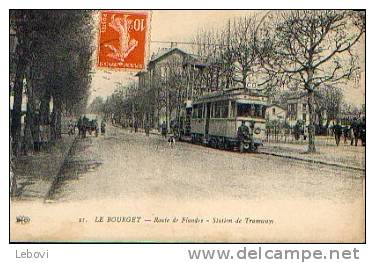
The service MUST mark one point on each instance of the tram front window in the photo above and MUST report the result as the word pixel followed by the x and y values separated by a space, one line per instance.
pixel 250 110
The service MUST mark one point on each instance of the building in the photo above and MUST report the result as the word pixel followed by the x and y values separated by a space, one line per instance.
pixel 276 112
pixel 297 109
pixel 165 78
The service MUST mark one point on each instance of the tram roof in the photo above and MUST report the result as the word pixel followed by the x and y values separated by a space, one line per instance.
pixel 244 95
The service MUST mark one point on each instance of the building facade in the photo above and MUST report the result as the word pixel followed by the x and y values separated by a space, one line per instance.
pixel 276 112
pixel 165 78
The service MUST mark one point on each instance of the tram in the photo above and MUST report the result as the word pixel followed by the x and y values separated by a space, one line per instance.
pixel 214 118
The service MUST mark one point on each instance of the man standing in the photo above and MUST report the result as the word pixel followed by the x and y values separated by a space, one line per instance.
pixel 243 133
pixel 102 127
pixel 346 131
pixel 164 129
pixel 147 129
pixel 85 126
pixel 337 130
pixel 356 131
pixel 362 132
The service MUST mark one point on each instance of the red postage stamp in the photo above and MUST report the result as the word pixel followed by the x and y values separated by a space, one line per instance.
pixel 122 39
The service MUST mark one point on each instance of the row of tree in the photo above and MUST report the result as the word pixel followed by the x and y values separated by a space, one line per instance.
pixel 52 62
pixel 297 50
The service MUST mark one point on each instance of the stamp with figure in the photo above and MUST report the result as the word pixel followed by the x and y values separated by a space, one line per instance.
pixel 122 39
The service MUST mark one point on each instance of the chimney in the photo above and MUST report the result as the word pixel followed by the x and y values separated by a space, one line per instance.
pixel 173 45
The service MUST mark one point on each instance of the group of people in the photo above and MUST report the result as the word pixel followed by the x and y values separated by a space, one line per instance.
pixel 85 126
pixel 353 132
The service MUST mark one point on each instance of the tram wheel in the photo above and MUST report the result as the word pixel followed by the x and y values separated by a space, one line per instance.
pixel 221 144
pixel 214 143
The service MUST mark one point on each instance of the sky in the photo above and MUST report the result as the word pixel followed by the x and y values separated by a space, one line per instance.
pixel 170 26
pixel 179 25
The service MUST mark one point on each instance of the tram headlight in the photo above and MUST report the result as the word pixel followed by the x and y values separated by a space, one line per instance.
pixel 257 130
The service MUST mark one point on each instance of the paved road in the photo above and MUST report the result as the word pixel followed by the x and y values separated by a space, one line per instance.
pixel 126 175
pixel 124 165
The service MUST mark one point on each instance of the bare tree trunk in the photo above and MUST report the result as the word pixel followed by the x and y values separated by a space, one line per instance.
pixel 311 127
pixel 133 115
pixel 44 107
pixel 244 79
pixel 28 136
pixel 167 109
pixel 58 109
pixel 17 105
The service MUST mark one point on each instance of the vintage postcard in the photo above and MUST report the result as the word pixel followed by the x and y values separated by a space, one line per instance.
pixel 187 126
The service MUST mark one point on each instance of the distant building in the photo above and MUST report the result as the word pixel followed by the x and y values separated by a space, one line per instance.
pixel 143 78
pixel 297 109
pixel 276 112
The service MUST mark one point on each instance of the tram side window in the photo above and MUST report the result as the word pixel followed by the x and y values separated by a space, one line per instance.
pixel 250 110
pixel 198 111
pixel 259 111
pixel 195 111
pixel 243 110
pixel 225 111
pixel 221 109
pixel 217 109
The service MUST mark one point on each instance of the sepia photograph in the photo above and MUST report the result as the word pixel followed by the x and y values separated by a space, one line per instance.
pixel 187 126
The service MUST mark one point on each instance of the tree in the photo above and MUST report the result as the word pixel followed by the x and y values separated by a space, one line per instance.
pixel 310 48
pixel 328 101
pixel 54 57
pixel 97 105
pixel 242 45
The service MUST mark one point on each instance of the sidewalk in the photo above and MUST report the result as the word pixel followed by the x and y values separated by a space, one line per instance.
pixel 344 156
pixel 319 140
pixel 36 173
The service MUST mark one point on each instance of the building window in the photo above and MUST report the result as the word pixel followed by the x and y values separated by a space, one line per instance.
pixel 273 111
pixel 292 111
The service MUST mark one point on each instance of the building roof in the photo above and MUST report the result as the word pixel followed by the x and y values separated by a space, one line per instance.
pixel 139 73
pixel 277 105
pixel 164 52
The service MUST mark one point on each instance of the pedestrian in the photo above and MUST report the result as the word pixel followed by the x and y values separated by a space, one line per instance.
pixel 172 140
pixel 251 135
pixel 70 128
pixel 164 129
pixel 362 132
pixel 356 132
pixel 85 126
pixel 102 127
pixel 135 126
pixel 337 130
pixel 147 129
pixel 243 133
pixel 346 132
pixel 95 127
